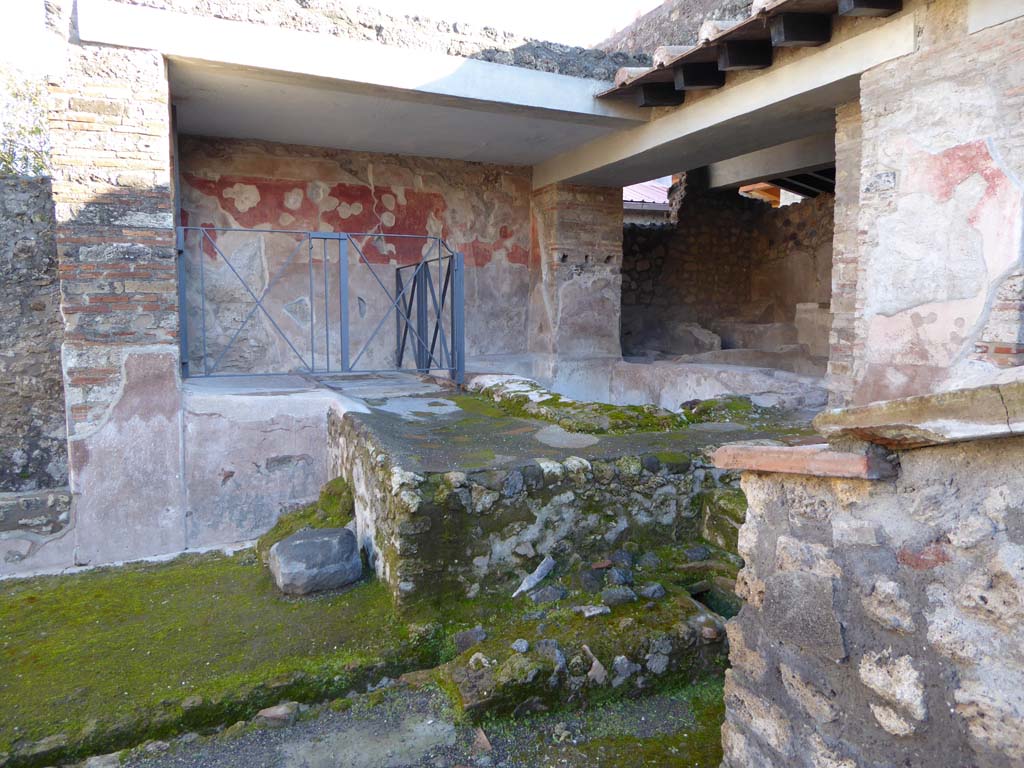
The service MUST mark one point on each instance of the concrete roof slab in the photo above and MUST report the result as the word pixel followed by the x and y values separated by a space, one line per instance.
pixel 245 80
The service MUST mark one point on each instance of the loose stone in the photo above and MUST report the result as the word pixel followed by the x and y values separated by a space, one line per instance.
pixel 469 637
pixel 592 581
pixel 590 611
pixel 622 558
pixel 315 560
pixel 620 576
pixel 279 716
pixel 540 573
pixel 521 646
pixel 648 561
pixel 698 553
pixel 613 596
pixel 653 591
pixel 549 594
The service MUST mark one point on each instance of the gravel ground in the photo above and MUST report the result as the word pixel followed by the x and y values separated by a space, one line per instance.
pixel 402 728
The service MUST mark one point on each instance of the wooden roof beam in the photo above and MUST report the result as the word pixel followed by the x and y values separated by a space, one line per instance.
pixel 698 77
pixel 753 54
pixel 869 7
pixel 792 30
pixel 658 95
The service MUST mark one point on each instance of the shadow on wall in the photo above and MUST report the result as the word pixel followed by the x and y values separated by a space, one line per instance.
pixel 33 447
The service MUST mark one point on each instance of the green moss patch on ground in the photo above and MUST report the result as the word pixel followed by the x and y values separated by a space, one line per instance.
pixel 111 656
pixel 105 659
pixel 334 509
pixel 571 415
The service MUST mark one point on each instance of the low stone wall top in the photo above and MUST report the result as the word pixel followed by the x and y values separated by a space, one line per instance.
pixel 884 621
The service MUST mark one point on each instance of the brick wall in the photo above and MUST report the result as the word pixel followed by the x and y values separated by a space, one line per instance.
pixel 728 257
pixel 33 441
pixel 846 264
pixel 110 129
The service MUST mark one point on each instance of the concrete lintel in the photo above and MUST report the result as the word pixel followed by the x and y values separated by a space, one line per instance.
pixel 791 98
pixel 815 460
pixel 362 65
pixel 811 153
pixel 982 14
pixel 986 412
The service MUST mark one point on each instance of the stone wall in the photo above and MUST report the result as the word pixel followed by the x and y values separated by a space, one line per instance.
pixel 437 535
pixel 364 22
pixel 33 440
pixel 729 258
pixel 481 210
pixel 883 623
pixel 941 210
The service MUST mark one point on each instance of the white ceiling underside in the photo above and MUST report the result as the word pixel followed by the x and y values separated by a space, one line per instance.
pixel 226 101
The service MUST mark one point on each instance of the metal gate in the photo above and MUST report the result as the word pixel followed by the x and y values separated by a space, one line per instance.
pixel 256 302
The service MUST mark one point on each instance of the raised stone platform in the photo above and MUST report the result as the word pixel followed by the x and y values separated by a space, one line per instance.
pixel 456 495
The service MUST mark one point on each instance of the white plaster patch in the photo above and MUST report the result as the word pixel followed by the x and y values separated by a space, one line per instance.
pixel 293 199
pixel 387 219
pixel 925 254
pixel 245 196
pixel 388 201
pixel 347 211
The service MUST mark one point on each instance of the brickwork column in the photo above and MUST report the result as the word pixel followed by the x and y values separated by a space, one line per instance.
pixel 575 272
pixel 845 254
pixel 111 158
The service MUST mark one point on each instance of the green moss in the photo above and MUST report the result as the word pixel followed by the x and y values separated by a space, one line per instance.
pixel 108 657
pixel 697 744
pixel 593 418
pixel 721 512
pixel 476 405
pixel 334 509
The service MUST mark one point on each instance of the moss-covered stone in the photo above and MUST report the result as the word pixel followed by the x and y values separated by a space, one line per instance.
pixel 334 509
pixel 722 511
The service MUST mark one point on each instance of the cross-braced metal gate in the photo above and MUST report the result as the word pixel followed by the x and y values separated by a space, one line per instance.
pixel 271 301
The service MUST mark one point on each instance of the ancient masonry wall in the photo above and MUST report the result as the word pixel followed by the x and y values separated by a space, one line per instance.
pixel 480 210
pixel 34 501
pixel 575 279
pixel 883 623
pixel 847 267
pixel 109 128
pixel 33 448
pixel 939 301
pixel 437 535
pixel 728 257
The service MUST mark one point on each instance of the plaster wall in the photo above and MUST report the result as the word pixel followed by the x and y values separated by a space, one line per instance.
pixel 480 210
pixel 941 210
pixel 883 621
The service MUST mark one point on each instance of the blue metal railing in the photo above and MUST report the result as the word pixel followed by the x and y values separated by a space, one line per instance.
pixel 221 335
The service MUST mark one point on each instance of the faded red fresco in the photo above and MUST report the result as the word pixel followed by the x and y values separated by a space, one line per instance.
pixel 356 208
pixel 940 174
